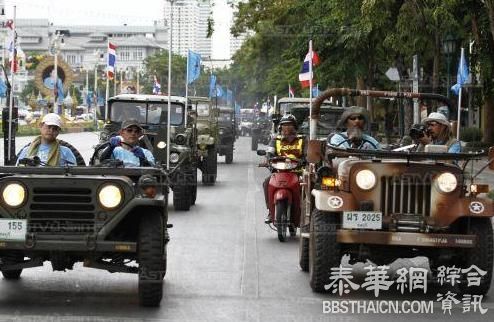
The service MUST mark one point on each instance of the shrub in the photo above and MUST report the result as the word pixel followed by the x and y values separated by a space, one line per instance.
pixel 470 134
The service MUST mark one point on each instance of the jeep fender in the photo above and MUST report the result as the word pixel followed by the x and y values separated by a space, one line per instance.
pixel 334 201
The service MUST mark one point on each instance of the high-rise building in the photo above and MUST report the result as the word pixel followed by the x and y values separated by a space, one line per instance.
pixel 189 25
pixel 236 42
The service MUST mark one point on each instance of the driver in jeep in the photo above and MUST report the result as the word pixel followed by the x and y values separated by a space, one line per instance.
pixel 354 121
pixel 286 144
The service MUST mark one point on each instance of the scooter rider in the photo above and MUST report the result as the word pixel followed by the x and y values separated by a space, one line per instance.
pixel 286 144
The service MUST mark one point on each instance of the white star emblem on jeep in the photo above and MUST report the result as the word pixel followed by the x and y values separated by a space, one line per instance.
pixel 335 202
pixel 476 207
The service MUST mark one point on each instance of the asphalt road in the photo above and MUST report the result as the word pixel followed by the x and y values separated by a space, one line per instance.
pixel 224 264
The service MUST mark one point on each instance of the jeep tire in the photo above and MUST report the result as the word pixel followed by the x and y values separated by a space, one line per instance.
pixel 152 263
pixel 481 255
pixel 324 250
pixel 9 259
pixel 229 155
pixel 255 141
pixel 303 251
pixel 181 197
pixel 210 167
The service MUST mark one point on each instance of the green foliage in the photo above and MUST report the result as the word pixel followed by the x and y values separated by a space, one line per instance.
pixel 470 134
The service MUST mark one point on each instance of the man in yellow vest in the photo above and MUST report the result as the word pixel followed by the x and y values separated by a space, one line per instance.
pixel 286 144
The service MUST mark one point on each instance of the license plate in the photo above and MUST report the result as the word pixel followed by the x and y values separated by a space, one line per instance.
pixel 362 219
pixel 13 229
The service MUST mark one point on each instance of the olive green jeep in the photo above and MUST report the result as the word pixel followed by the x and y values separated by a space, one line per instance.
pixel 207 138
pixel 227 133
pixel 151 111
pixel 383 205
pixel 109 218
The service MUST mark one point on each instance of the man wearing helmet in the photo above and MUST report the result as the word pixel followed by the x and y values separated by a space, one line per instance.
pixel 286 144
pixel 354 121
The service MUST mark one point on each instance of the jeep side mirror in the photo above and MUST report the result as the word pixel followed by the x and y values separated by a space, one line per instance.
pixel 490 156
pixel 315 151
pixel 261 152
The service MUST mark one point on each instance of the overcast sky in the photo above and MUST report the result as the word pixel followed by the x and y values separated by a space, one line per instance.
pixel 115 12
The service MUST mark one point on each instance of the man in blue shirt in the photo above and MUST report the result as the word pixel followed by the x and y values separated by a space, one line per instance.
pixel 126 146
pixel 47 147
pixel 439 129
pixel 354 120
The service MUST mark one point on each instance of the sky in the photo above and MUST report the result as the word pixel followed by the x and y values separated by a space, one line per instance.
pixel 115 12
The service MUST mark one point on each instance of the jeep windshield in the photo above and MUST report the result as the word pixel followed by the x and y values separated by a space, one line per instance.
pixel 146 112
pixel 326 124
pixel 287 107
pixel 202 109
pixel 225 117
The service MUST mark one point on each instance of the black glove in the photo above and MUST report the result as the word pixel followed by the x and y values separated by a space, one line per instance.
pixel 115 141
pixel 138 152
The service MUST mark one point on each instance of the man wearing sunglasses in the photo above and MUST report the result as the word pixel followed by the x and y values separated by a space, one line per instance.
pixel 125 147
pixel 47 147
pixel 354 121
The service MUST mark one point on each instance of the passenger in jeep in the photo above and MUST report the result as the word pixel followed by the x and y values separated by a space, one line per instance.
pixel 47 147
pixel 125 147
pixel 439 129
pixel 354 121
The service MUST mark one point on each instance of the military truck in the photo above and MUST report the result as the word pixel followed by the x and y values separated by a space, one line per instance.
pixel 383 205
pixel 152 113
pixel 207 138
pixel 226 123
pixel 247 116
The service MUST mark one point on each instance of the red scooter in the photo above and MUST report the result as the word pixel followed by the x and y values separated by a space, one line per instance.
pixel 283 194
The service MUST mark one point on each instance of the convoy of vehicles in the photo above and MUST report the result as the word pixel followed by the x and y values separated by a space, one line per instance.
pixel 247 116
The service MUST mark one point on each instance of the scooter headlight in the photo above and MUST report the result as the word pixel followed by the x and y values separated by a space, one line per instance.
pixel 447 182
pixel 365 179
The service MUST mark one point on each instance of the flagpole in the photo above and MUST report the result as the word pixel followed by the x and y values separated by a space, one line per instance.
pixel 107 91
pixel 170 88
pixel 312 134
pixel 11 98
pixel 187 87
pixel 459 99
pixel 115 76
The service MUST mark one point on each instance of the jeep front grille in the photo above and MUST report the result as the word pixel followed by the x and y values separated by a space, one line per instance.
pixel 61 210
pixel 405 195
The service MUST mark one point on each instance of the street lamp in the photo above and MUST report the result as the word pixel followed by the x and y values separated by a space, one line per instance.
pixel 449 46
pixel 56 45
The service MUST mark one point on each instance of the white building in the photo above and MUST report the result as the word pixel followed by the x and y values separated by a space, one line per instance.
pixel 236 42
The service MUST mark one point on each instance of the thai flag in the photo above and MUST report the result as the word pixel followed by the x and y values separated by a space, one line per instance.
pixel 305 77
pixel 156 86
pixel 112 57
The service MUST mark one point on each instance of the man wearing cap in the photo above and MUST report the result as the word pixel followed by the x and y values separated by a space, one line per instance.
pixel 439 129
pixel 354 120
pixel 125 147
pixel 46 146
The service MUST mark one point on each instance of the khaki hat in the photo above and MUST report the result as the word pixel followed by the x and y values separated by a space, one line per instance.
pixel 437 117
pixel 351 111
pixel 52 119
pixel 131 122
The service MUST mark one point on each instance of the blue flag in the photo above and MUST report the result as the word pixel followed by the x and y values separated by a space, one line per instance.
pixel 3 88
pixel 219 91
pixel 212 86
pixel 315 91
pixel 462 75
pixel 229 97
pixel 193 66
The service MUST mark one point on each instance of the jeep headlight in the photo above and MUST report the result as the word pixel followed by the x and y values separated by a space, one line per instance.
pixel 14 194
pixel 174 156
pixel 365 179
pixel 110 196
pixel 447 182
pixel 221 132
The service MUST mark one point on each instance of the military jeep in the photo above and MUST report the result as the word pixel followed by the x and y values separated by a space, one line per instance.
pixel 207 138
pixel 383 205
pixel 262 131
pixel 105 217
pixel 152 113
pixel 226 122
